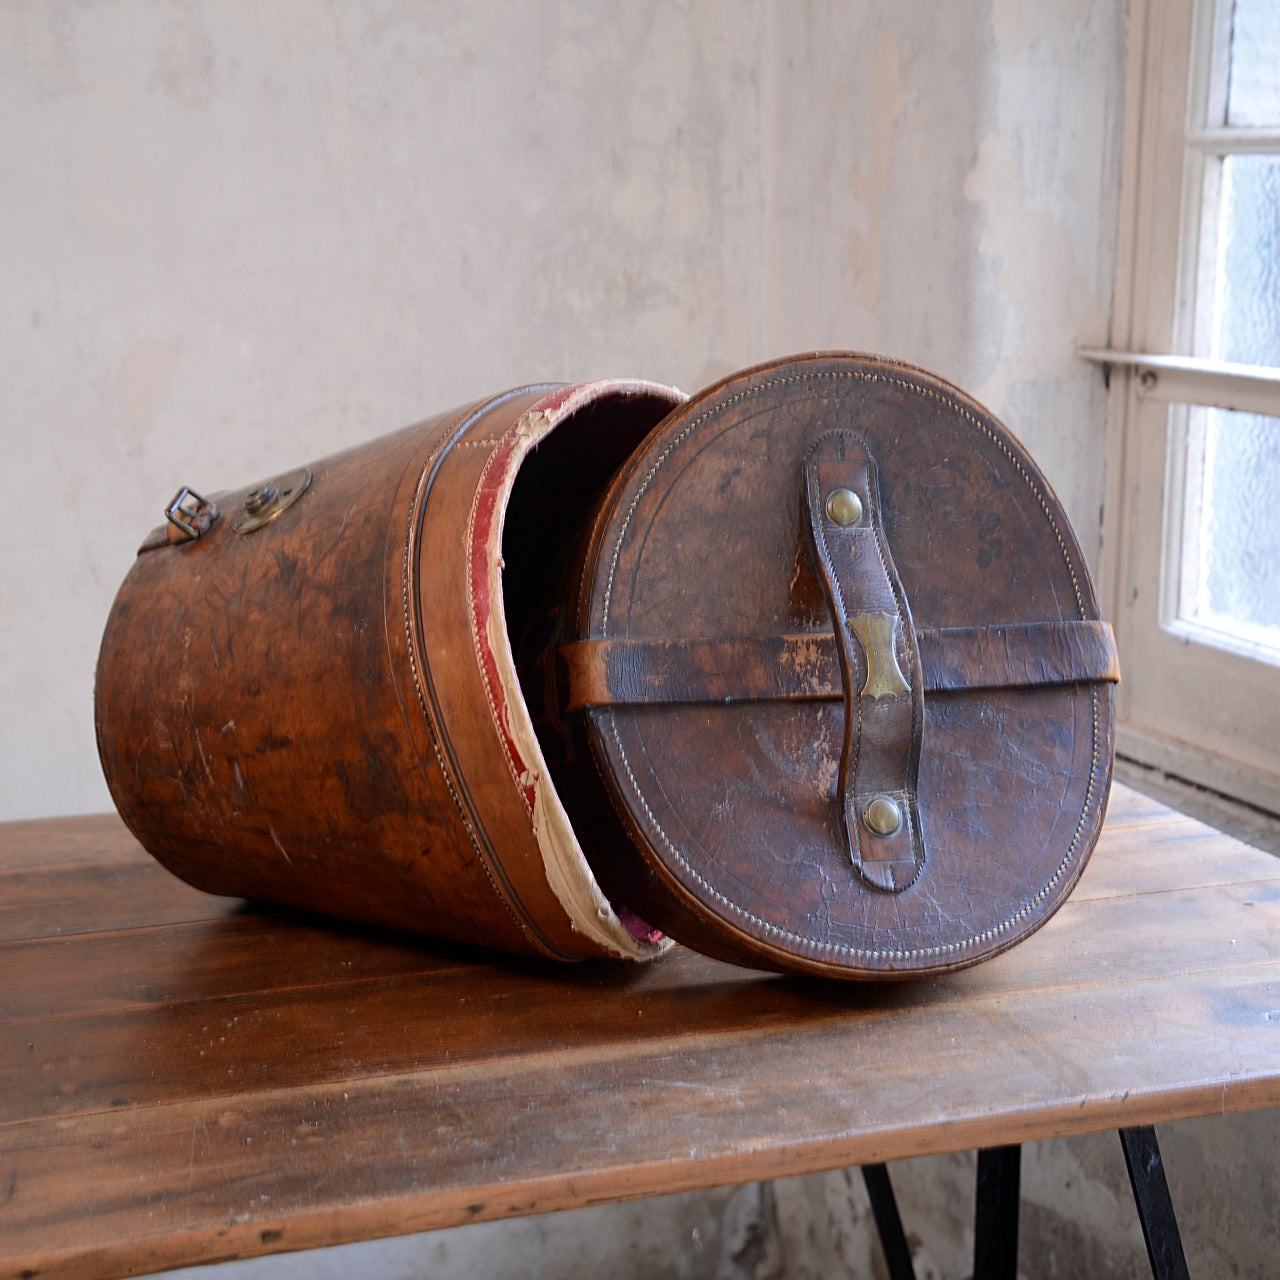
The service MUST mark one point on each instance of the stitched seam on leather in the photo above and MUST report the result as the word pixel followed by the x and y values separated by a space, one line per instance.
pixel 847 800
pixel 823 546
pixel 917 705
pixel 475 632
pixel 917 729
pixel 858 377
pixel 769 928
pixel 467 824
pixel 915 953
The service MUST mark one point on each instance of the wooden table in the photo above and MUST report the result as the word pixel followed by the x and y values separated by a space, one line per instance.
pixel 185 1079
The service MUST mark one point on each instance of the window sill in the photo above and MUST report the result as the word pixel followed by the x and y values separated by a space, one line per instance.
pixel 1249 388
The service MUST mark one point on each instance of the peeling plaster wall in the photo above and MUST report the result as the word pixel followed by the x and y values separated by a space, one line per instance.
pixel 238 237
pixel 947 192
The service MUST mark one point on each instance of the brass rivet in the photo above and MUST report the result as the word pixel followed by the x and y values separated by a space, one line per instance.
pixel 844 507
pixel 883 816
pixel 272 499
pixel 259 499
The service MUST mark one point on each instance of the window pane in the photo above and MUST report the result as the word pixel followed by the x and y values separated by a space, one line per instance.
pixel 1246 312
pixel 1254 95
pixel 1232 574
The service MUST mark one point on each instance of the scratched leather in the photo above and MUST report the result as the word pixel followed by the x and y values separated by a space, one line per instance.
pixel 880 754
pixel 726 818
pixel 614 672
pixel 300 715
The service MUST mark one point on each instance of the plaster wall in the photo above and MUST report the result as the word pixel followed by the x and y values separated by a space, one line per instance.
pixel 237 237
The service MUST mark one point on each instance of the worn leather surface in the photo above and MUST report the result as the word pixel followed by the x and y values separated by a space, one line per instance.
pixel 313 713
pixel 880 675
pixel 300 715
pixel 605 673
pixel 732 808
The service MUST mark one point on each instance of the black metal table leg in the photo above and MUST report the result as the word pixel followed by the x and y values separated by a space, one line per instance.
pixel 1155 1209
pixel 884 1206
pixel 995 1245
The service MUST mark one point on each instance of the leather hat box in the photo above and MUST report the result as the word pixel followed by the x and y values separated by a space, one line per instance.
pixel 805 672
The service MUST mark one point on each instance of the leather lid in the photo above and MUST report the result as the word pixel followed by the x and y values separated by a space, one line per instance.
pixel 843 675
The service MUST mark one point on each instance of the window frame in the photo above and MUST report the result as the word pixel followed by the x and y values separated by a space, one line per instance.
pixel 1203 715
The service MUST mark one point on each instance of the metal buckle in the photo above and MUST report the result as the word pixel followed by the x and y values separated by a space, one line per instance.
pixel 191 513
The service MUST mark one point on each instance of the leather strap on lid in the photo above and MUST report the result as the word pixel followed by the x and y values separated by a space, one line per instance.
pixel 879 662
pixel 803 667
pixel 874 660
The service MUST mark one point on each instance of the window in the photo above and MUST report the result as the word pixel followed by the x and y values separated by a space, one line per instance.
pixel 1192 522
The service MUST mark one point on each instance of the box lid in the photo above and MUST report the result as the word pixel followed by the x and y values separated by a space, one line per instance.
pixel 842 674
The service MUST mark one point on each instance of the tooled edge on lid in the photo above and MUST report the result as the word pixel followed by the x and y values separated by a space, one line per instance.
pixel 875 368
pixel 567 869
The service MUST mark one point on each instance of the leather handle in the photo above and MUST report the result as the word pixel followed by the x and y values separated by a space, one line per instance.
pixel 883 686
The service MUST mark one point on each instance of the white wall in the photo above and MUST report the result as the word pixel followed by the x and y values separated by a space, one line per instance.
pixel 234 237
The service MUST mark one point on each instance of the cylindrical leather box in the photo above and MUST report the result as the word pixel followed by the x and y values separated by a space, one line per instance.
pixel 314 702
pixel 805 672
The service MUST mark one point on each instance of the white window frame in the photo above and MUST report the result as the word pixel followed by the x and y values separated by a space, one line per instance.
pixel 1200 714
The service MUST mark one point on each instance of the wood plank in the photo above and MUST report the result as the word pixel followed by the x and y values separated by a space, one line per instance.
pixel 205 1044
pixel 67 899
pixel 1135 858
pixel 257 950
pixel 1125 803
pixel 96 838
pixel 292 1168
pixel 177 1090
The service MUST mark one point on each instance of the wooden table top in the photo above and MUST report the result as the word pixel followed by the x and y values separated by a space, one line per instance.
pixel 185 1079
